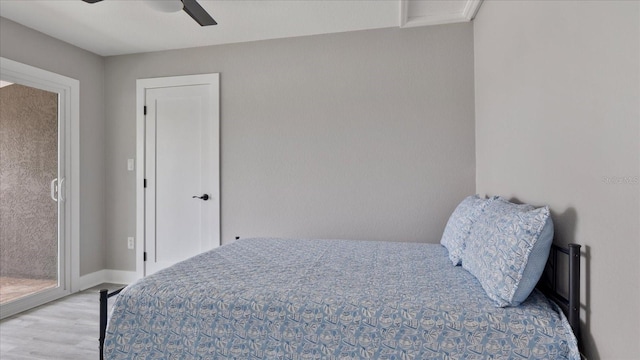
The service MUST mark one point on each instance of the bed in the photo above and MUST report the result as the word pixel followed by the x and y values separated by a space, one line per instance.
pixel 470 297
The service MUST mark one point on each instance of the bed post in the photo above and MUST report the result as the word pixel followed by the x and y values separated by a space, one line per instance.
pixel 103 319
pixel 574 289
pixel 104 300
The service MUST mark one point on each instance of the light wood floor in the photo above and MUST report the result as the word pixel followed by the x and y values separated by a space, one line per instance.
pixel 66 329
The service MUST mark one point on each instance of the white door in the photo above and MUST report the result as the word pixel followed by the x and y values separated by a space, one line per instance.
pixel 182 173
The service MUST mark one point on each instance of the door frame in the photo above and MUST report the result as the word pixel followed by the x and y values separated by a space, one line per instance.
pixel 213 80
pixel 68 90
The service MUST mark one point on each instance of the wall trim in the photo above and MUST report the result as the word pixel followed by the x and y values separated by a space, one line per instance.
pixel 467 14
pixel 471 9
pixel 107 276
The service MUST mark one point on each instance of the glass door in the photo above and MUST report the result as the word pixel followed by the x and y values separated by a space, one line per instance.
pixel 31 197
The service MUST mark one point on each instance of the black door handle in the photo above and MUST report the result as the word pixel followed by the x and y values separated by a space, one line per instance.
pixel 204 197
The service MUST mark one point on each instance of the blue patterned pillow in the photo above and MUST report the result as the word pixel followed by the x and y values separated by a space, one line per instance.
pixel 457 230
pixel 507 250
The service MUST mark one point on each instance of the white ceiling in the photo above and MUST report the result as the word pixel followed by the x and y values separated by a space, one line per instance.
pixel 115 27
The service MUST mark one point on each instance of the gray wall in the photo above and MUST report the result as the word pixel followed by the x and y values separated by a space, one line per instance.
pixel 28 163
pixel 362 135
pixel 557 122
pixel 33 48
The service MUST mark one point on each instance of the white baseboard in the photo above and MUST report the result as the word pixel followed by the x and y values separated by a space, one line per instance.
pixel 92 279
pixel 107 276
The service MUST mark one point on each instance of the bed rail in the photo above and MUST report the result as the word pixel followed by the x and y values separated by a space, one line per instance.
pixel 104 299
pixel 549 286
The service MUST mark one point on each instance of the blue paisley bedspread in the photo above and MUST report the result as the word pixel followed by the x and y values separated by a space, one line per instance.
pixel 327 299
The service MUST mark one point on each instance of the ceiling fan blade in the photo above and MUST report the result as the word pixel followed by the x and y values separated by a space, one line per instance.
pixel 198 14
pixel 91 1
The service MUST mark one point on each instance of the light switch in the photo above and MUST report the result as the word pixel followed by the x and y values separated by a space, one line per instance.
pixel 130 164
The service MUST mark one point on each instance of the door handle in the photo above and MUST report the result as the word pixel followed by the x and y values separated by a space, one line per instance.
pixel 61 192
pixel 54 185
pixel 204 197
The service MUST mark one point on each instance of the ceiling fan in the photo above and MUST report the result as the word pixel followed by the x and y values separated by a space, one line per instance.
pixel 191 7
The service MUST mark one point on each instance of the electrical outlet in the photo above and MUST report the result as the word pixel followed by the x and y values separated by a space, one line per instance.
pixel 130 243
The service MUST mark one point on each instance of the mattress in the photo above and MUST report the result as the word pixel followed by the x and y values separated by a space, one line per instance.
pixel 327 299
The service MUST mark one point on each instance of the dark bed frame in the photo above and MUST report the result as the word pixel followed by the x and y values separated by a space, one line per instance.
pixel 104 299
pixel 548 284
